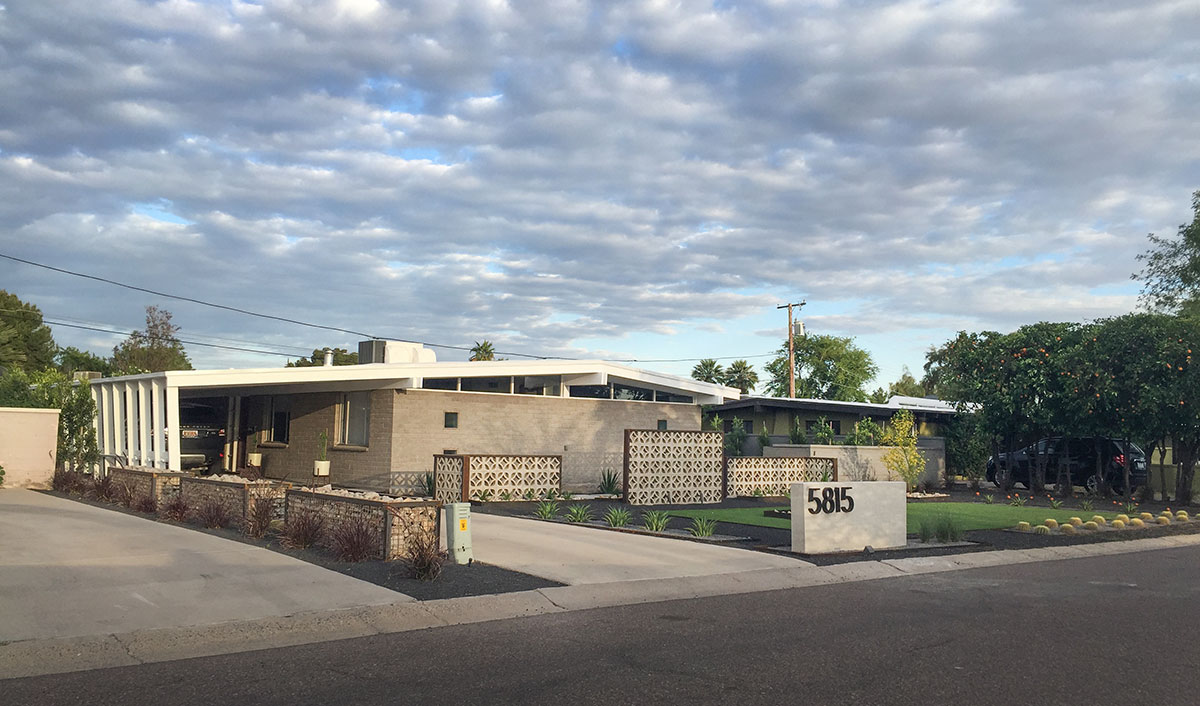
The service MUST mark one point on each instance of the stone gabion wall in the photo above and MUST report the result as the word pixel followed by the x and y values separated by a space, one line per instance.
pixel 162 485
pixel 239 499
pixel 390 520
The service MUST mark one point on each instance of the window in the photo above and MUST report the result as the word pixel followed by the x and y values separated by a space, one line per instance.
pixel 450 452
pixel 602 392
pixel 748 425
pixel 661 396
pixel 279 419
pixel 354 418
pixel 440 383
pixel 629 392
pixel 451 420
pixel 662 425
pixel 486 384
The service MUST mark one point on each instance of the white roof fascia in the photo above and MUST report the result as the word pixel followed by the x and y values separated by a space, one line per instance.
pixel 394 374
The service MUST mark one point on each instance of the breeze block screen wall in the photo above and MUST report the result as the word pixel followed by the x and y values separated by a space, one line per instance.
pixel 666 467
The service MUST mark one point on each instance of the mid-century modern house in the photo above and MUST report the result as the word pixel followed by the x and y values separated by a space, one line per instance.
pixel 387 417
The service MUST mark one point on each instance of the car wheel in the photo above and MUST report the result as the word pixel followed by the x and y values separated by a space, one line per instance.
pixel 1094 484
pixel 1003 479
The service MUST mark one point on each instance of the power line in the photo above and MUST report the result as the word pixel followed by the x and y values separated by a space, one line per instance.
pixel 157 338
pixel 338 329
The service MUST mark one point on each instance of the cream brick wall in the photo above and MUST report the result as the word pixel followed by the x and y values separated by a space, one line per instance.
pixel 589 434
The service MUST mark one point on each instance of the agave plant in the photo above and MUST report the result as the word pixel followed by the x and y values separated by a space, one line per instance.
pixel 702 527
pixel 655 520
pixel 547 510
pixel 579 512
pixel 609 483
pixel 530 494
pixel 618 517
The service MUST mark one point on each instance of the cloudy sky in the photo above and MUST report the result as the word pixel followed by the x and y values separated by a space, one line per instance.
pixel 618 180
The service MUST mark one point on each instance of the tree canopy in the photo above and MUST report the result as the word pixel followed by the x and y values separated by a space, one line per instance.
pixel 154 349
pixel 483 350
pixel 340 357
pixel 827 367
pixel 741 375
pixel 25 342
pixel 709 370
pixel 1171 268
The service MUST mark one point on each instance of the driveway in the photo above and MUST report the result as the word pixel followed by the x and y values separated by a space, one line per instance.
pixel 68 569
pixel 577 555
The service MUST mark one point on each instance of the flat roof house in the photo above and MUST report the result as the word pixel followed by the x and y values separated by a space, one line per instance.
pixel 387 417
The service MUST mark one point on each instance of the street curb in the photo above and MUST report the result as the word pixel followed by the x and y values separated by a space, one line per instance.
pixel 29 658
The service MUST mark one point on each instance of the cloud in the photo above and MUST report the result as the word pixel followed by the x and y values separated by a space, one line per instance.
pixel 546 173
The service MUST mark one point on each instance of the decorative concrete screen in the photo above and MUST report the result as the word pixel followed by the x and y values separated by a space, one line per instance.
pixel 460 478
pixel 756 475
pixel 848 517
pixel 391 520
pixel 141 482
pixel 238 496
pixel 673 467
pixel 410 483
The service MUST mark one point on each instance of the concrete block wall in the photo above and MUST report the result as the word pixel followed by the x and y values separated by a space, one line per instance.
pixel 352 466
pixel 861 463
pixel 589 434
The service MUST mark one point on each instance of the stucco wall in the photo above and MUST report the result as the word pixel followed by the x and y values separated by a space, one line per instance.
pixel 351 466
pixel 858 463
pixel 589 434
pixel 28 441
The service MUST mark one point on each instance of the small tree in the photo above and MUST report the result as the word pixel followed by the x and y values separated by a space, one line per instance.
pixel 865 433
pixel 967 447
pixel 904 458
pixel 154 350
pixel 483 350
pixel 764 437
pixel 797 434
pixel 741 375
pixel 736 438
pixel 823 432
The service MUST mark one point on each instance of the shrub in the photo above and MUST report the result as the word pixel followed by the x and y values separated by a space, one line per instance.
pixel 547 509
pixel 926 486
pixel 1015 500
pixel 354 539
pixel 530 494
pixel 1051 523
pixel 258 520
pixel 1137 522
pixel 579 513
pixel 1041 529
pixel 66 481
pixel 989 499
pixel 123 494
pixel 146 504
pixel 736 438
pixel 925 530
pixel 618 517
pixel 1023 526
pixel 1099 519
pixel 1091 526
pixel 764 437
pixel 565 496
pixel 797 434
pixel 1146 516
pixel 1055 503
pixel 430 484
pixel 1075 521
pixel 947 529
pixel 609 483
pixel 1163 520
pixel 1068 529
pixel 175 509
pixel 655 520
pixel 1118 524
pixel 1086 505
pixel 213 514
pixel 424 557
pixel 506 496
pixel 702 527
pixel 483 495
pixel 1 475
pixel 904 459
pixel 1130 507
pixel 104 489
pixel 303 529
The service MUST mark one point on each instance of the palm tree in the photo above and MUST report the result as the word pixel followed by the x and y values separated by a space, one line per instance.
pixel 739 374
pixel 483 350
pixel 707 370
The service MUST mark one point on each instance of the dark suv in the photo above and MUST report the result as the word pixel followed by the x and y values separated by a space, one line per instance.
pixel 201 436
pixel 1080 456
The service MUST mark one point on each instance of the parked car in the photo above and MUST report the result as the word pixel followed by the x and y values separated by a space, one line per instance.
pixel 201 436
pixel 1080 456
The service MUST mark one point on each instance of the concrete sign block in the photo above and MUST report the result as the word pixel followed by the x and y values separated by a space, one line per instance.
pixel 846 517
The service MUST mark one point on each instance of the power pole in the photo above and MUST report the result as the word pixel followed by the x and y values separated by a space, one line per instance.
pixel 791 348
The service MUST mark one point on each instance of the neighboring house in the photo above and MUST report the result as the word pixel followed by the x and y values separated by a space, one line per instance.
pixel 779 414
pixel 388 416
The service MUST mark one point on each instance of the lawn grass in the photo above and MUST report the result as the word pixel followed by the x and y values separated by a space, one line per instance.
pixel 970 516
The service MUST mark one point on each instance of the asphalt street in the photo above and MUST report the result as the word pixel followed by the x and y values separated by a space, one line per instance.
pixel 1112 629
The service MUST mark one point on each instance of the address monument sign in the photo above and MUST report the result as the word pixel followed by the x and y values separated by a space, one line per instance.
pixel 847 517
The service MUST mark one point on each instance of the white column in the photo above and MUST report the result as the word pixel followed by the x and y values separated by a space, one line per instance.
pixel 173 462
pixel 106 414
pixel 158 414
pixel 118 407
pixel 130 417
pixel 144 423
pixel 230 435
pixel 97 425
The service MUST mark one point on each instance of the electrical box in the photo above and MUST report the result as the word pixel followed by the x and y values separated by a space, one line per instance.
pixel 458 532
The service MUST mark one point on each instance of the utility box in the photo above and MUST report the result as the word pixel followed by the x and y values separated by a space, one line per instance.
pixel 458 532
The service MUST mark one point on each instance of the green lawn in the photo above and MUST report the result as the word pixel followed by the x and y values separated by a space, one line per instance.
pixel 971 516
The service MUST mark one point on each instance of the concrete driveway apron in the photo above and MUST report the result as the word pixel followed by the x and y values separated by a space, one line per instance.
pixel 69 569
pixel 579 555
